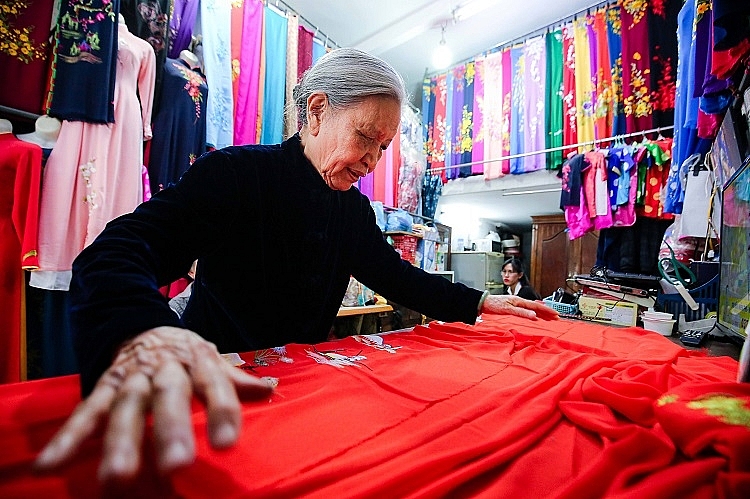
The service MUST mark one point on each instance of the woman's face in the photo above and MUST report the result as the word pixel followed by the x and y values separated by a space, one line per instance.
pixel 346 144
pixel 510 276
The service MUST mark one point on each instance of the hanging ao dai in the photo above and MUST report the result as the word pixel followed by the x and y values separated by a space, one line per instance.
pixel 215 18
pixel 518 101
pixel 477 149
pixel 584 87
pixel 248 86
pixel 553 104
pixel 534 79
pixel 570 121
pixel 467 120
pixel 636 66
pixel 493 114
pixel 603 109
pixel 662 27
pixel 614 44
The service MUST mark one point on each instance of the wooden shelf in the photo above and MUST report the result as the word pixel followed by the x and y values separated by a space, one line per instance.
pixel 366 309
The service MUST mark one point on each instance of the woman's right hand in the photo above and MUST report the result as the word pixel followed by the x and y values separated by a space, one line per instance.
pixel 158 370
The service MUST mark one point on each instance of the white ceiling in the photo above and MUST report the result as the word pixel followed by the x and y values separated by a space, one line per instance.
pixel 405 33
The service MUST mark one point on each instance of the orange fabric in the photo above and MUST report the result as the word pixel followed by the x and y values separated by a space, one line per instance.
pixel 505 408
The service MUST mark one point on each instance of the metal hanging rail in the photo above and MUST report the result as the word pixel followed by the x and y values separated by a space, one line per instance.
pixel 552 149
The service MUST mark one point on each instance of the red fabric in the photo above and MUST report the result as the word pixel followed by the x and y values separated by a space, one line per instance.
pixel 506 408
pixel 570 122
pixel 20 182
pixel 304 51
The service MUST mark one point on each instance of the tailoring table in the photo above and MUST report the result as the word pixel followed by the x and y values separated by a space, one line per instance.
pixel 508 407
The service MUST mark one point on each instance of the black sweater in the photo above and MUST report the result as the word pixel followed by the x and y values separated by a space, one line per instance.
pixel 275 248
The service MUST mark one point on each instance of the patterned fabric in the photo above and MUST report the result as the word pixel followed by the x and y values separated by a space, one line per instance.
pixel 493 114
pixel 180 128
pixel 518 102
pixel 584 93
pixel 237 20
pixel 553 104
pixel 215 18
pixel 467 120
pixel 247 117
pixel 614 44
pixel 603 105
pixel 534 79
pixel 439 132
pixel 662 27
pixel 292 56
pixel 636 66
pixel 105 181
pixel 570 120
pixel 82 85
pixel 25 53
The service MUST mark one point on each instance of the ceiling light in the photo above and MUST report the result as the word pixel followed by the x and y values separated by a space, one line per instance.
pixel 471 8
pixel 442 55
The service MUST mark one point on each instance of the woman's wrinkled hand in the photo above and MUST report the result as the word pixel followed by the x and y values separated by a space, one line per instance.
pixel 158 371
pixel 515 305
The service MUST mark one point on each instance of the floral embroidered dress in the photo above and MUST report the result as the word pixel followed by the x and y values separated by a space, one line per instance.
pixel 180 128
pixel 584 87
pixel 493 111
pixel 614 45
pixel 636 66
pixel 662 27
pixel 534 80
pixel 93 174
pixel 84 68
pixel 518 102
pixel 215 17
pixel 570 121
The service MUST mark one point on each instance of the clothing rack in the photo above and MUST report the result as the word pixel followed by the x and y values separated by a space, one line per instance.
pixel 553 149
pixel 521 39
pixel 12 112
pixel 318 32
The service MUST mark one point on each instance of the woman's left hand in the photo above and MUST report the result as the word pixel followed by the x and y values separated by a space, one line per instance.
pixel 521 307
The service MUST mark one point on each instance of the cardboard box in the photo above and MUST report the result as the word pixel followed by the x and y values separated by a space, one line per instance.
pixel 614 312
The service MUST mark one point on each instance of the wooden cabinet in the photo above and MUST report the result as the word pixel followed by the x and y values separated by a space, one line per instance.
pixel 554 257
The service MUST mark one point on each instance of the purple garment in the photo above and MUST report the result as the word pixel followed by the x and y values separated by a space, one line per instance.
pixel 181 26
pixel 534 80
pixel 517 118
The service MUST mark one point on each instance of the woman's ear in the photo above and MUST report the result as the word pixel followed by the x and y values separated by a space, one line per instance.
pixel 317 103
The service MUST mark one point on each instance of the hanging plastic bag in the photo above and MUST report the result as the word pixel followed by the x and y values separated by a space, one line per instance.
pixel 399 220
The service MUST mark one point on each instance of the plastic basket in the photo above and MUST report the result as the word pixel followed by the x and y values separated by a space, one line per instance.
pixel 406 245
pixel 705 295
pixel 562 308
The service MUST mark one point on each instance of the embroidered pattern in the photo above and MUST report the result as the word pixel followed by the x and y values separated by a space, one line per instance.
pixel 80 24
pixel 87 171
pixel 727 409
pixel 156 20
pixel 639 103
pixel 636 8
pixel 17 42
pixel 271 356
pixel 332 358
pixel 193 87
pixel 375 341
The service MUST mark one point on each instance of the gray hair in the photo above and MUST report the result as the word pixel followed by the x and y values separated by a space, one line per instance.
pixel 347 76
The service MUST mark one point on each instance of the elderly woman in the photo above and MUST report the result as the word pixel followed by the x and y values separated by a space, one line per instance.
pixel 277 231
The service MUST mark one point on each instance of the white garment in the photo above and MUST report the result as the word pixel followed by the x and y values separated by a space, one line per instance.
pixel 695 210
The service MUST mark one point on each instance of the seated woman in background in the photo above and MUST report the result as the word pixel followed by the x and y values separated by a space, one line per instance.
pixel 516 282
